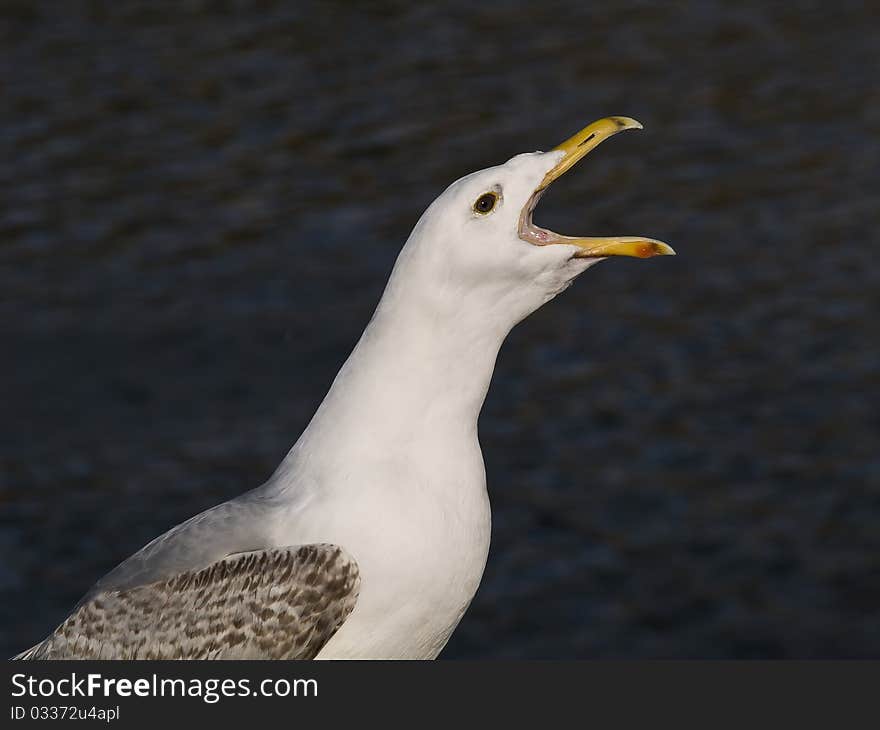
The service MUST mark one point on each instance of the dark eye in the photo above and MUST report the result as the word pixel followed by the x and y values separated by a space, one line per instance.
pixel 485 203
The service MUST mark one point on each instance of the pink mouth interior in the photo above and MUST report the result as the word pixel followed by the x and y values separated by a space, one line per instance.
pixel 528 230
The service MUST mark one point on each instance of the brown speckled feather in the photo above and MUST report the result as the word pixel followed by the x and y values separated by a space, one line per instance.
pixel 268 604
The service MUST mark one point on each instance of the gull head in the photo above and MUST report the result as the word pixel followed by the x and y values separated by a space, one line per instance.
pixel 478 240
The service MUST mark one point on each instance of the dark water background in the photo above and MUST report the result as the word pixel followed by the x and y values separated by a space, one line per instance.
pixel 199 205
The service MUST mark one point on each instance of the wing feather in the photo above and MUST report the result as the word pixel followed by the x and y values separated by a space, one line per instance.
pixel 267 604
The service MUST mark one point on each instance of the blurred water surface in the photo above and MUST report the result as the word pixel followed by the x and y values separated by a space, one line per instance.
pixel 199 205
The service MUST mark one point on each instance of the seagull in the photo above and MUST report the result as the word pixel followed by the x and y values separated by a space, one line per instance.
pixel 370 539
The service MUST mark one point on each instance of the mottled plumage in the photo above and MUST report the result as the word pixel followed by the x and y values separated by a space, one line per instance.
pixel 267 604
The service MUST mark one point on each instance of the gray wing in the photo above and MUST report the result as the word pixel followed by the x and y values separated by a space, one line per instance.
pixel 236 526
pixel 269 604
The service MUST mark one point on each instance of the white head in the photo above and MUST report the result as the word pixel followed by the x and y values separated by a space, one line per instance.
pixel 475 252
pixel 473 267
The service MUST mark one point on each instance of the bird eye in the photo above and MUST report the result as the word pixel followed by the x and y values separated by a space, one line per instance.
pixel 485 203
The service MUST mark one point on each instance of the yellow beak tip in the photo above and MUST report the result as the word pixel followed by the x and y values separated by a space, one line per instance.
pixel 627 123
pixel 658 248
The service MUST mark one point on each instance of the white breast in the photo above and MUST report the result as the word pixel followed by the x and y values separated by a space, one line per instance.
pixel 421 548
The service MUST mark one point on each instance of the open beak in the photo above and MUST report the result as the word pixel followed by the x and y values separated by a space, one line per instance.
pixel 575 148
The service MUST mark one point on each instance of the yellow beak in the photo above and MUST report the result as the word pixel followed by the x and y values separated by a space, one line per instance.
pixel 576 148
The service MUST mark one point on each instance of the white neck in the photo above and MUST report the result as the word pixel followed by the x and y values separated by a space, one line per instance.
pixel 415 382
